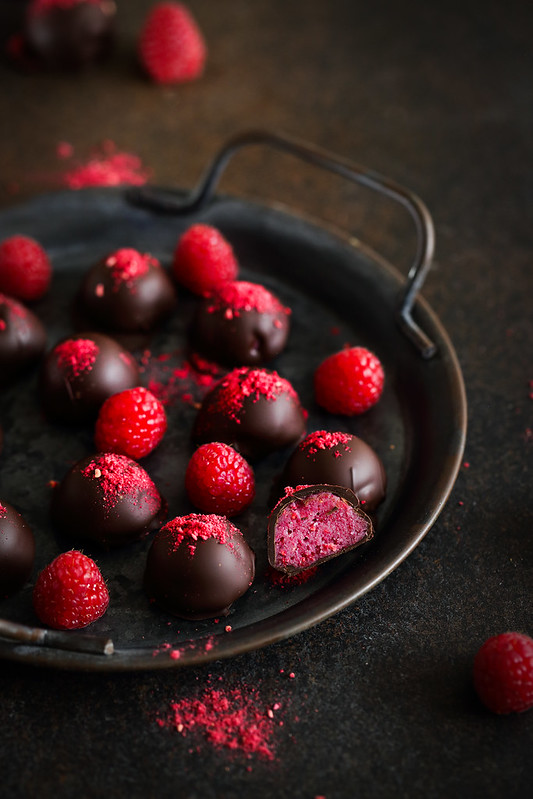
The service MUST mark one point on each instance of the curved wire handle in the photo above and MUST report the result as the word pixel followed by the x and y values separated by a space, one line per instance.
pixel 168 202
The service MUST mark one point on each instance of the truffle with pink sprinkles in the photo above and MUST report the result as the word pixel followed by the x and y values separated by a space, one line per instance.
pixel 312 524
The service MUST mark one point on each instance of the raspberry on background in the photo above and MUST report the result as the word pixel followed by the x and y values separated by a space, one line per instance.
pixel 70 592
pixel 203 259
pixel 171 46
pixel 219 480
pixel 503 673
pixel 132 423
pixel 25 269
pixel 349 382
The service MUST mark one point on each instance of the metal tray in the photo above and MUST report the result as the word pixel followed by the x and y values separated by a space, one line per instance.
pixel 340 291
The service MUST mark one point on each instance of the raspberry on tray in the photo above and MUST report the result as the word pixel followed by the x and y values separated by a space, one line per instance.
pixel 132 423
pixel 349 382
pixel 219 480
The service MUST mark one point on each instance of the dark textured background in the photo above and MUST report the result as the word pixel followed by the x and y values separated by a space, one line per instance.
pixel 438 96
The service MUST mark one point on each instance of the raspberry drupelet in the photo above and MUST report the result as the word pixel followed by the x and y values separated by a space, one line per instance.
pixel 219 480
pixel 349 382
pixel 203 260
pixel 132 423
pixel 25 269
pixel 70 592
pixel 171 46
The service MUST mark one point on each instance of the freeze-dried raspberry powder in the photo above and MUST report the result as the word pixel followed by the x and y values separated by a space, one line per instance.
pixel 245 383
pixel 199 527
pixel 76 356
pixel 108 169
pixel 228 719
pixel 172 379
pixel 323 439
pixel 283 580
pixel 239 295
pixel 119 476
pixel 3 511
pixel 128 265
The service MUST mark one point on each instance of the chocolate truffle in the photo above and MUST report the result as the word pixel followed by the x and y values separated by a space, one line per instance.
pixel 240 324
pixel 253 410
pixel 81 372
pixel 337 459
pixel 128 292
pixel 108 499
pixel 313 524
pixel 198 565
pixel 22 338
pixel 17 550
pixel 69 33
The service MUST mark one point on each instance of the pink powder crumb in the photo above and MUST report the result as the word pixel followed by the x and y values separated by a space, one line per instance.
pixel 76 356
pixel 108 167
pixel 235 719
pixel 128 265
pixel 239 295
pixel 283 580
pixel 172 379
pixel 64 149
pixel 119 476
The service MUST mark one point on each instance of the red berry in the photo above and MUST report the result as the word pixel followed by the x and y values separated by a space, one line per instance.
pixel 131 423
pixel 204 259
pixel 171 46
pixel 219 480
pixel 70 592
pixel 349 382
pixel 503 673
pixel 25 271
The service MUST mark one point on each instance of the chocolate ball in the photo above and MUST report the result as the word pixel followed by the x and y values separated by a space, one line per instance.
pixel 313 524
pixel 69 34
pixel 128 292
pixel 22 338
pixel 253 410
pixel 108 499
pixel 17 550
pixel 198 565
pixel 337 459
pixel 240 324
pixel 81 372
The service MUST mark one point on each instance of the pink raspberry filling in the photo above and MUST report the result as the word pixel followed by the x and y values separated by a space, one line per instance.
pixel 316 527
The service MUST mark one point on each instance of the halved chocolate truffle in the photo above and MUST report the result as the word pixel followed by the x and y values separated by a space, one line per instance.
pixel 128 292
pixel 253 410
pixel 312 524
pixel 81 372
pixel 108 499
pixel 337 459
pixel 198 565
pixel 240 324
pixel 69 33
pixel 17 550
pixel 22 338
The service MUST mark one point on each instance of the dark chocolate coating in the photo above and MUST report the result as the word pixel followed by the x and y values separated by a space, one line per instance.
pixel 246 338
pixel 130 307
pixel 17 550
pixel 354 465
pixel 82 511
pixel 71 37
pixel 78 398
pixel 261 425
pixel 202 584
pixel 22 338
pixel 344 493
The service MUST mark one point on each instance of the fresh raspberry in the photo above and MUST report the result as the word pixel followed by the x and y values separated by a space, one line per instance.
pixel 25 270
pixel 204 259
pixel 219 480
pixel 70 592
pixel 503 673
pixel 349 382
pixel 130 423
pixel 171 46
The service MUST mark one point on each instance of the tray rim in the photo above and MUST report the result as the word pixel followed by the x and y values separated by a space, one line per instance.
pixel 293 619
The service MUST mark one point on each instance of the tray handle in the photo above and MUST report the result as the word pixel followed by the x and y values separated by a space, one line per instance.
pixel 168 202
